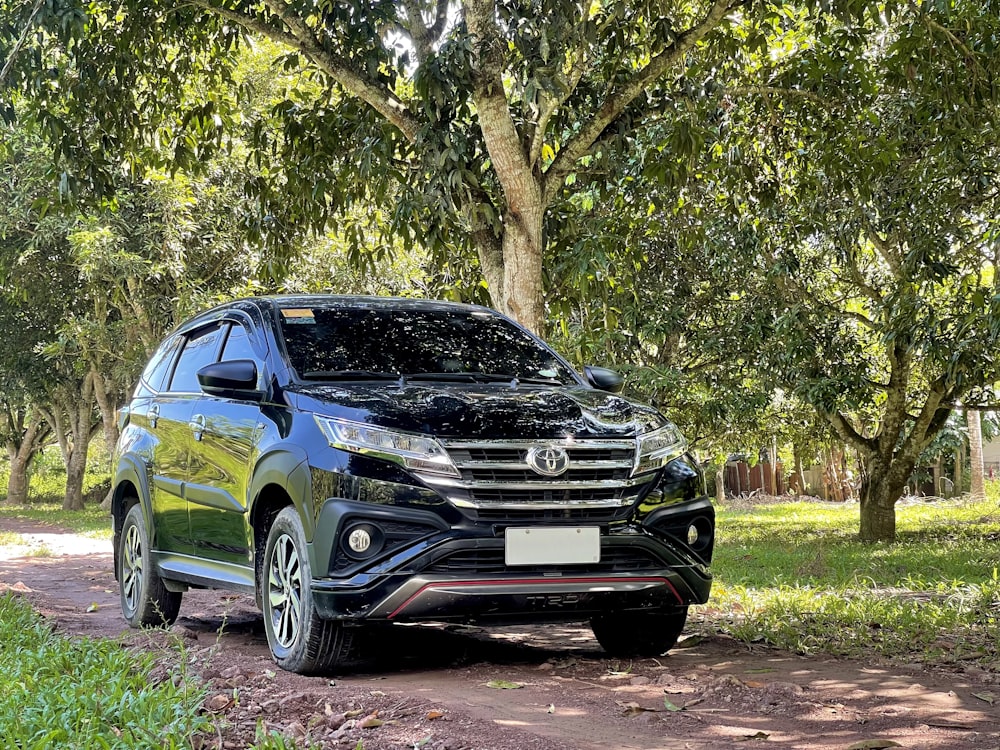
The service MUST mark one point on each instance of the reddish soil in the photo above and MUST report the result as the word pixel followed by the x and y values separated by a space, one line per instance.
pixel 428 687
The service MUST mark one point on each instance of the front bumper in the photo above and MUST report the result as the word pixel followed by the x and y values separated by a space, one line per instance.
pixel 459 576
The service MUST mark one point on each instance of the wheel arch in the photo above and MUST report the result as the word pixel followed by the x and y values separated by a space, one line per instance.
pixel 131 485
pixel 281 479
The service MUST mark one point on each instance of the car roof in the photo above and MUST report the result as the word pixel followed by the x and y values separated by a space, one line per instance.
pixel 285 301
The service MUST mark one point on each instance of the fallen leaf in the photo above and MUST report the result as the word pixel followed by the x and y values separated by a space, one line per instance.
pixel 762 670
pixel 634 709
pixel 269 674
pixel 432 715
pixel 757 736
pixel 873 745
pixel 552 708
pixel 670 706
pixel 990 698
pixel 420 743
pixel 218 702
pixel 93 607
pixel 503 685
pixel 376 693
pixel 353 714
pixel 755 683
pixel 371 721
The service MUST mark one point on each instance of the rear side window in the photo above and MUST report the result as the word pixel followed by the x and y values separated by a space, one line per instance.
pixel 201 348
pixel 154 377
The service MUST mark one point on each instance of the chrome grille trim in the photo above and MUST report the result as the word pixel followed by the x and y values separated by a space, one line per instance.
pixel 530 490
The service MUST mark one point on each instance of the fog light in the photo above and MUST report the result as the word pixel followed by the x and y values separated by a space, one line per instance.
pixel 360 540
pixel 692 535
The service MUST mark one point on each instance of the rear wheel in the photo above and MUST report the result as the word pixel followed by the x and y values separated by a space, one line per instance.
pixel 639 633
pixel 145 601
pixel 300 640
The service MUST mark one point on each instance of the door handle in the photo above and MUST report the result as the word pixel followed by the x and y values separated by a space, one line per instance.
pixel 197 425
pixel 153 415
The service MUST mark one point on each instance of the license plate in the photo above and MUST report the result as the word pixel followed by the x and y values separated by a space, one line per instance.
pixel 553 546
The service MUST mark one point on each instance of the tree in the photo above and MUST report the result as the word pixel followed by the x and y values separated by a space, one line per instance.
pixel 978 489
pixel 468 118
pixel 864 239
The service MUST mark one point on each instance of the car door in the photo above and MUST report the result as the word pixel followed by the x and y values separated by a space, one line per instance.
pixel 168 417
pixel 224 441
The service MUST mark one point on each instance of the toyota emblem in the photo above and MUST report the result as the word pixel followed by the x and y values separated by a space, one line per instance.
pixel 550 461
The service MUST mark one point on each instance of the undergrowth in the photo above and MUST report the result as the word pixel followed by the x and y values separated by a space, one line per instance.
pixel 795 576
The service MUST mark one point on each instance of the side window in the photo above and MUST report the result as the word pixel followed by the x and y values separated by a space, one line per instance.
pixel 200 349
pixel 238 345
pixel 154 377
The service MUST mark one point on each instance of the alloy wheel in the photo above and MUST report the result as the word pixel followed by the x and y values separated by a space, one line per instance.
pixel 285 591
pixel 132 568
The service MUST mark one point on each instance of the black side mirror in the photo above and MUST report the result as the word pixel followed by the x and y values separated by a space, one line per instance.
pixel 604 379
pixel 234 379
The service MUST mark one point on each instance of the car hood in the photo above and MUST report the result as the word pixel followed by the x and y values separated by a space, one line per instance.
pixel 480 411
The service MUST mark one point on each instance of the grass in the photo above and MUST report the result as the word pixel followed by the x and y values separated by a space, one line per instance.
pixel 795 576
pixel 91 521
pixel 74 693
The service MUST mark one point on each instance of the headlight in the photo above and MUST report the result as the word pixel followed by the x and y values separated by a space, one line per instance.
pixel 412 451
pixel 657 449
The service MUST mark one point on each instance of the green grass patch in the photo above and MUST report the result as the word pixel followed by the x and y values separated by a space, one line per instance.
pixel 91 521
pixel 63 693
pixel 795 576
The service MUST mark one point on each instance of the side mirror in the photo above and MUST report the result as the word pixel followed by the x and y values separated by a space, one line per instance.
pixel 604 379
pixel 234 379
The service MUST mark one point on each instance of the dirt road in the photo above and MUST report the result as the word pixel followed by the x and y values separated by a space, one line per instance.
pixel 442 688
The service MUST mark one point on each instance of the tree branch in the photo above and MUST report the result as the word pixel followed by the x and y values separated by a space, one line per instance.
pixel 619 98
pixel 16 49
pixel 846 430
pixel 502 139
pixel 301 37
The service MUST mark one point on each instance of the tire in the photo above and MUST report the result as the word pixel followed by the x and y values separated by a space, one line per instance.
pixel 145 601
pixel 299 639
pixel 626 634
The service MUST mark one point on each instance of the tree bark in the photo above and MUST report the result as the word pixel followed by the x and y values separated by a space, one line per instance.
pixel 17 482
pixel 720 483
pixel 976 470
pixel 30 434
pixel 882 484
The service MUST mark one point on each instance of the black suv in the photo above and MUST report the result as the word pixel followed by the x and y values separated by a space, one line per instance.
pixel 353 461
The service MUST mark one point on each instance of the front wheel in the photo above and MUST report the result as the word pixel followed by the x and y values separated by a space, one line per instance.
pixel 299 639
pixel 145 601
pixel 626 634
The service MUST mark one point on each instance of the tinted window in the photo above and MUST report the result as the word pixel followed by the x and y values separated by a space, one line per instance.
pixel 332 340
pixel 238 344
pixel 199 350
pixel 155 375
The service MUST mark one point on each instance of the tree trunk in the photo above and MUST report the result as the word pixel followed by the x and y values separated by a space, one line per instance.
pixel 720 483
pixel 976 470
pixel 522 267
pixel 107 404
pixel 17 483
pixel 959 466
pixel 76 468
pixel 799 473
pixel 882 484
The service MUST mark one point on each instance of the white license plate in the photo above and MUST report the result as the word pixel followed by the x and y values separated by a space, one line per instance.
pixel 553 546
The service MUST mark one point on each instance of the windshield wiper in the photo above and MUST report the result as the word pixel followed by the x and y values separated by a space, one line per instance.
pixel 349 375
pixel 478 377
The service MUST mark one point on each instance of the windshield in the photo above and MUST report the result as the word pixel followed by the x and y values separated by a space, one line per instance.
pixel 448 345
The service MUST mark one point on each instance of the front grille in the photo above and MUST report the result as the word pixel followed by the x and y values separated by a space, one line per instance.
pixel 486 561
pixel 529 514
pixel 498 478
